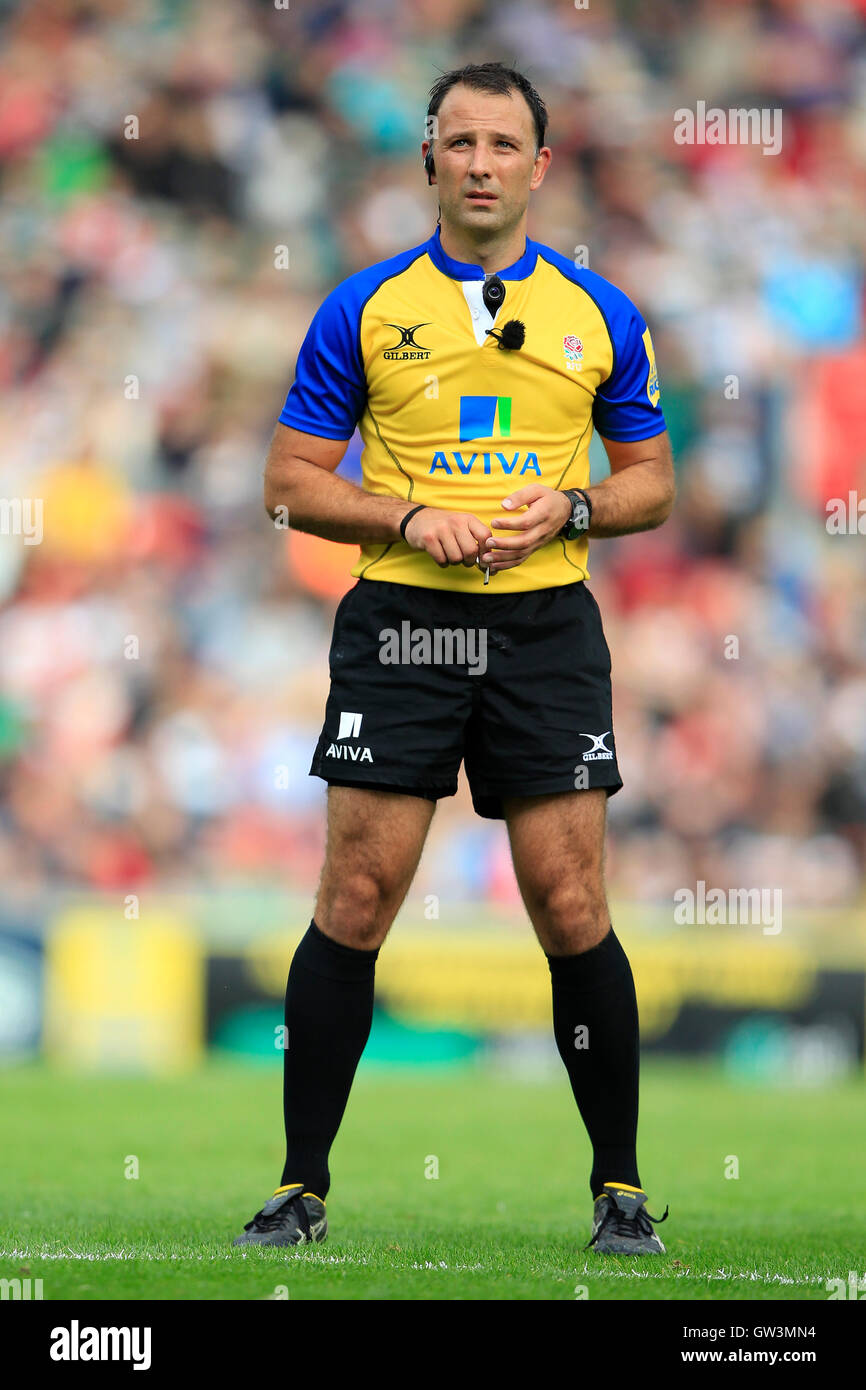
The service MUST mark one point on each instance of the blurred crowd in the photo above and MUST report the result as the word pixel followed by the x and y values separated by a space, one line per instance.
pixel 181 186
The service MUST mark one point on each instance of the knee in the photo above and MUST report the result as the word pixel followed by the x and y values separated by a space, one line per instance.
pixel 572 915
pixel 356 910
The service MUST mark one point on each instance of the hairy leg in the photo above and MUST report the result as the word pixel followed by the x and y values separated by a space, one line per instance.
pixel 557 844
pixel 373 848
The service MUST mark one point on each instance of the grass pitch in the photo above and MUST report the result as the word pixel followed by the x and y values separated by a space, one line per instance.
pixel 506 1218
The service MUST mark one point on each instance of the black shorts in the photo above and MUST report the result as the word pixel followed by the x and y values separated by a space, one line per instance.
pixel 517 685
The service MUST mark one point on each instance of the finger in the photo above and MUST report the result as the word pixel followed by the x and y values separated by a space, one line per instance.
pixel 478 529
pixel 535 514
pixel 470 547
pixel 523 496
pixel 507 561
pixel 452 548
pixel 435 551
pixel 507 564
pixel 530 541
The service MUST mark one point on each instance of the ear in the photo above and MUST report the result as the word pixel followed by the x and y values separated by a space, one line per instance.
pixel 542 164
pixel 427 157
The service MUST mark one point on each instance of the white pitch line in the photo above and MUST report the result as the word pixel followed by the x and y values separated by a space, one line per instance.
pixel 749 1277
pixel 145 1255
pixel 318 1257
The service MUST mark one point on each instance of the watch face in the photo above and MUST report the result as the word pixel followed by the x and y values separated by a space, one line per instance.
pixel 579 517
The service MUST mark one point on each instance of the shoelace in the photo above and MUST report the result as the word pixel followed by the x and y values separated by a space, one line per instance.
pixel 275 1219
pixel 625 1225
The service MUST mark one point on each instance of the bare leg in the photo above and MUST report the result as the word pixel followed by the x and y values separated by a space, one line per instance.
pixel 374 844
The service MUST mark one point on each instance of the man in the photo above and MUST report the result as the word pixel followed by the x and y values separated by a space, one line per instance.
pixel 476 365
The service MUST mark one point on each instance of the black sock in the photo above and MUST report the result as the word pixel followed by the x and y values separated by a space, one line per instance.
pixel 329 1010
pixel 594 991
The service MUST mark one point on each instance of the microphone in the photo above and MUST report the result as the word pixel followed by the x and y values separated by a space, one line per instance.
pixel 512 337
pixel 513 334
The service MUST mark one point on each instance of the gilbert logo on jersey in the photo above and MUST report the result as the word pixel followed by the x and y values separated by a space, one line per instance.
pixel 415 352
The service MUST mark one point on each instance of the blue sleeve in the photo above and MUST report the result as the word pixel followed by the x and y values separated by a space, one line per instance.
pixel 627 404
pixel 329 392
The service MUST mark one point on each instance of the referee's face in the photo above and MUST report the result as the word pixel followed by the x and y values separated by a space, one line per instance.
pixel 486 161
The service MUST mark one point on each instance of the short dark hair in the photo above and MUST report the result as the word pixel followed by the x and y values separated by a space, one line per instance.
pixel 496 78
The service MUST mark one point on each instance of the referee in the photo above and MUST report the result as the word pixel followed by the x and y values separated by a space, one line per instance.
pixel 476 366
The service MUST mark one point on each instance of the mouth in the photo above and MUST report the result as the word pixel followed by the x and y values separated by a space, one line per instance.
pixel 481 197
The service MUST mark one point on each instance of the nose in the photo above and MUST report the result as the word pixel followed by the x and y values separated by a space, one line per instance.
pixel 480 165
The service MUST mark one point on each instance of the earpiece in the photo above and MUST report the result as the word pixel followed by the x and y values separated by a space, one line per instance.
pixel 429 166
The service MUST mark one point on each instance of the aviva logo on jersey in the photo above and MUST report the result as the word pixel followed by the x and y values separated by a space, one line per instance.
pixel 485 417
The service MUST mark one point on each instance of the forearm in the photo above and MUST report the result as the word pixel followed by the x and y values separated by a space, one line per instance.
pixel 637 498
pixel 314 500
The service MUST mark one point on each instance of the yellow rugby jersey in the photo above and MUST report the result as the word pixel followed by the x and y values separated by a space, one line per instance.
pixel 449 418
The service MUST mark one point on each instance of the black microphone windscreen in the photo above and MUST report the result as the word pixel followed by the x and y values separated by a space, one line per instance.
pixel 513 335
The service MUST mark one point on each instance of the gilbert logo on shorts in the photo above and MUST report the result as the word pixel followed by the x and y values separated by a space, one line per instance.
pixel 599 750
pixel 350 727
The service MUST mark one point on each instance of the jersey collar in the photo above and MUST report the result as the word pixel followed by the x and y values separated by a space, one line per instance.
pixel 462 270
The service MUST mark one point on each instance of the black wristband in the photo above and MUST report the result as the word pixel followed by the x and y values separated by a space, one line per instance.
pixel 408 517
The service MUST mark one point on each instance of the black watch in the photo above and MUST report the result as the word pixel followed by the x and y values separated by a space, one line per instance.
pixel 581 514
